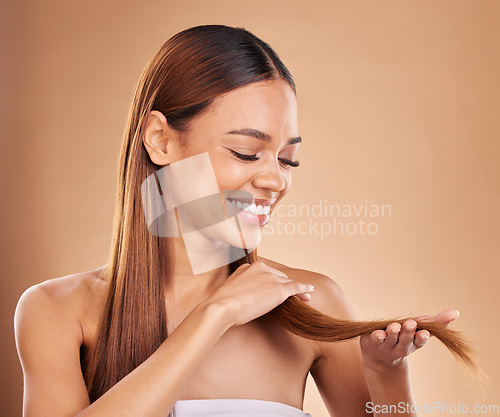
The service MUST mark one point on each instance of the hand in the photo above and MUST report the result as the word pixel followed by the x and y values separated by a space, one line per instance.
pixel 255 289
pixel 389 348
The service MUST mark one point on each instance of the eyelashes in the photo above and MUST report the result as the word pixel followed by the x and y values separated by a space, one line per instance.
pixel 294 164
pixel 245 157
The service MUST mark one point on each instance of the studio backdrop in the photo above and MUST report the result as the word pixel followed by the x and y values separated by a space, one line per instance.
pixel 398 191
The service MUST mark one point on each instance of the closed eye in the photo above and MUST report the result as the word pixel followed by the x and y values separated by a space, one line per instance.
pixel 289 163
pixel 246 157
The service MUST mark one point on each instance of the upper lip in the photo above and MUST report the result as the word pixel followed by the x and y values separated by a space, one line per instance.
pixel 264 201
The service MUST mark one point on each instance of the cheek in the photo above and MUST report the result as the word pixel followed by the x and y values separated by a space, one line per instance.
pixel 231 175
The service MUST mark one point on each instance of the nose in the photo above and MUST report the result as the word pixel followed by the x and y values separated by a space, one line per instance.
pixel 270 178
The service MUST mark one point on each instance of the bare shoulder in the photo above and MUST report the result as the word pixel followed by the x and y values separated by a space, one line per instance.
pixel 327 297
pixel 68 292
pixel 49 335
pixel 57 303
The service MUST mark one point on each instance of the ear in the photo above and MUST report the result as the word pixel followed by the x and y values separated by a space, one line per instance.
pixel 160 140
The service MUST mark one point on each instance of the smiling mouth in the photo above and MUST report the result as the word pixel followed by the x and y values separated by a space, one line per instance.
pixel 256 212
pixel 257 209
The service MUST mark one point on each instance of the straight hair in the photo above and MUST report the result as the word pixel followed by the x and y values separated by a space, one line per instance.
pixel 181 80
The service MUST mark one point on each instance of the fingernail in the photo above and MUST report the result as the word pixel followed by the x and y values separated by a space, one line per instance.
pixel 396 329
pixel 311 287
pixel 307 295
pixel 411 326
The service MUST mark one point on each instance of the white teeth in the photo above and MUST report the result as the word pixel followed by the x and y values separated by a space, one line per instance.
pixel 253 208
pixel 258 209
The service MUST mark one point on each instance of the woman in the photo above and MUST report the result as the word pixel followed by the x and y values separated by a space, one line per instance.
pixel 162 325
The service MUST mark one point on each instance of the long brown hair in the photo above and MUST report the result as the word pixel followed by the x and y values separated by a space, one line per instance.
pixel 183 78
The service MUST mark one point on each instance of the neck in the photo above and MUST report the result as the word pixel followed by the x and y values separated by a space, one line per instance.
pixel 200 255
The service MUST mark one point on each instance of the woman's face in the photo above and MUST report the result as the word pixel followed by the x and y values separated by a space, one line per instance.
pixel 248 140
pixel 251 136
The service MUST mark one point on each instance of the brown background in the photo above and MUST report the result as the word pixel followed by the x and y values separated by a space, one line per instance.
pixel 398 103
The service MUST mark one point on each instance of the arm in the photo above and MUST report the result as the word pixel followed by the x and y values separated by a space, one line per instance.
pixel 49 336
pixel 338 370
pixel 356 380
pixel 366 378
pixel 48 343
pixel 385 362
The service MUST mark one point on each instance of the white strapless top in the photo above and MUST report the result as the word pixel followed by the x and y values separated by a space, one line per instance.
pixel 239 407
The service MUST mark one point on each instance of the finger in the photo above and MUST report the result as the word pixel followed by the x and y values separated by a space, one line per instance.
pixel 278 274
pixel 272 277
pixel 378 336
pixel 444 317
pixel 447 316
pixel 274 271
pixel 421 338
pixel 392 333
pixel 407 333
pixel 294 287
pixel 284 278
pixel 304 297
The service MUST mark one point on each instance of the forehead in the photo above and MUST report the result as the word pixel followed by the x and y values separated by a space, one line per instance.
pixel 270 106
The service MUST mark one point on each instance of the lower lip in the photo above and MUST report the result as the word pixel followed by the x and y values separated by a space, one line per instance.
pixel 253 219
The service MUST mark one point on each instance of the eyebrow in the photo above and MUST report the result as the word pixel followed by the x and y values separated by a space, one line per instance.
pixel 260 135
